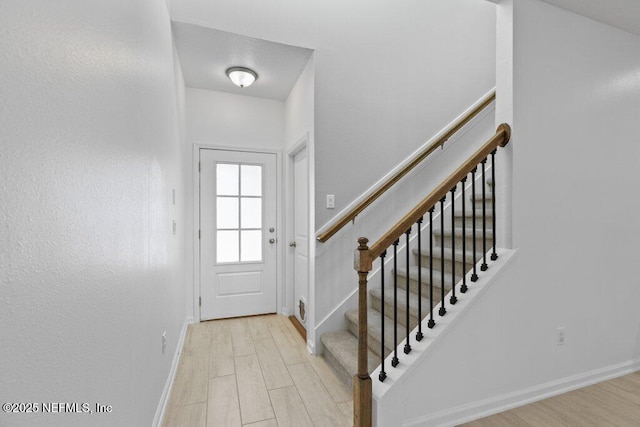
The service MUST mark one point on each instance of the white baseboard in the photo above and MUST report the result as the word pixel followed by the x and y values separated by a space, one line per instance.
pixel 484 408
pixel 162 405
pixel 311 348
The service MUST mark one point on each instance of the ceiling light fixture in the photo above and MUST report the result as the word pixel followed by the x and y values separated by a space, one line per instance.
pixel 241 76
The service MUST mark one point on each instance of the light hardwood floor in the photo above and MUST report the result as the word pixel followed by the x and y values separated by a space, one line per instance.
pixel 610 403
pixel 254 371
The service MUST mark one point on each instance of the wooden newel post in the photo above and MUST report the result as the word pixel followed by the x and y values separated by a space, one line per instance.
pixel 362 381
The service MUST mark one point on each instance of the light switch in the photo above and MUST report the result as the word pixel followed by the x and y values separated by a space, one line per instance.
pixel 331 201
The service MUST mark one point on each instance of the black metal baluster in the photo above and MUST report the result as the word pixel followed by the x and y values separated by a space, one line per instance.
pixel 494 255
pixel 453 298
pixel 431 322
pixel 443 310
pixel 474 275
pixel 419 335
pixel 484 265
pixel 395 361
pixel 383 374
pixel 464 287
pixel 407 346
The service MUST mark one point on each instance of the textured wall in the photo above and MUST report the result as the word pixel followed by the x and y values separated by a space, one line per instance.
pixel 90 152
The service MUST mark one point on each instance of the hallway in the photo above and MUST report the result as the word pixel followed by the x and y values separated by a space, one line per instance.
pixel 254 371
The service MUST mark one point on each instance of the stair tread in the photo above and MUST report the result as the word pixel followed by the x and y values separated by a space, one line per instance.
pixel 413 275
pixel 402 295
pixel 374 326
pixel 469 213
pixel 488 195
pixel 448 256
pixel 458 232
pixel 344 348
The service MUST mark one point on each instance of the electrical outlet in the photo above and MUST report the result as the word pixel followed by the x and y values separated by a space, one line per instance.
pixel 164 341
pixel 560 337
pixel 331 201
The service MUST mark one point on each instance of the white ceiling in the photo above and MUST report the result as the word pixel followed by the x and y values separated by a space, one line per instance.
pixel 205 55
pixel 624 14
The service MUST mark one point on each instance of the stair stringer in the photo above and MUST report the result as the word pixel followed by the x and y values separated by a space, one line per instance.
pixel 389 397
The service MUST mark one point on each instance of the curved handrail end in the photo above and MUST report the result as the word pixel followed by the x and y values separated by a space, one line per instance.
pixel 507 133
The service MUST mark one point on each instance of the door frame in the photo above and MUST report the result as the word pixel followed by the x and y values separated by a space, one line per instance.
pixel 289 303
pixel 280 233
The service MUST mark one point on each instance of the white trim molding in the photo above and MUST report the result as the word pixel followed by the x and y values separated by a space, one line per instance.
pixel 288 304
pixel 287 300
pixel 168 386
pixel 504 402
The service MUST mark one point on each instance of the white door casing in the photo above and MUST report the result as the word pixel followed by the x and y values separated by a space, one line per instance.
pixel 238 240
pixel 300 233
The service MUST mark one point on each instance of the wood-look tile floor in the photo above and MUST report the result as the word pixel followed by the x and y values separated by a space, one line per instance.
pixel 611 403
pixel 254 371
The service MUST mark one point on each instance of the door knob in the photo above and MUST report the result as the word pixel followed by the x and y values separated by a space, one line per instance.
pixel 272 241
pixel 293 244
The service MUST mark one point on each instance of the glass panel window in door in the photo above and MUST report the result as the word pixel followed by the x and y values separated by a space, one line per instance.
pixel 227 213
pixel 251 212
pixel 251 245
pixel 227 179
pixel 227 246
pixel 238 213
pixel 251 180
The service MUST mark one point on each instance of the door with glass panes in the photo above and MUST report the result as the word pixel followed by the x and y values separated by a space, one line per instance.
pixel 237 233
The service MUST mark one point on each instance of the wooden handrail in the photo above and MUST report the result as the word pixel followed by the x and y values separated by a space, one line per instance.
pixel 501 138
pixel 349 216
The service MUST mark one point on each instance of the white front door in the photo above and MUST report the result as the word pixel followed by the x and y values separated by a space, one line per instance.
pixel 238 237
pixel 300 231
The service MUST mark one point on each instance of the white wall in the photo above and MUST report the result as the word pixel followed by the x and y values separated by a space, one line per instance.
pixel 504 114
pixel 225 120
pixel 387 76
pixel 575 224
pixel 91 273
pixel 220 118
pixel 299 107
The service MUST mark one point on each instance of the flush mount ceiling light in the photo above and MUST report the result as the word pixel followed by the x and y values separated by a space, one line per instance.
pixel 241 76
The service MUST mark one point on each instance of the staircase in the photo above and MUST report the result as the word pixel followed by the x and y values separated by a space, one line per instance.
pixel 373 332
pixel 341 347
